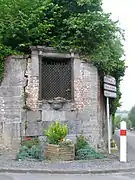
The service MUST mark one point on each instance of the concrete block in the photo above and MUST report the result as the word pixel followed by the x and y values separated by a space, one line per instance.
pixel 83 116
pixel 15 144
pixel 33 116
pixel 23 116
pixel 34 129
pixel 77 64
pixel 53 115
pixel 69 115
pixel 35 64
pixel 10 91
pixel 11 129
pixel 13 116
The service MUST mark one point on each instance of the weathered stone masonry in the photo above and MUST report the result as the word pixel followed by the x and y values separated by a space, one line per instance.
pixel 11 102
pixel 23 114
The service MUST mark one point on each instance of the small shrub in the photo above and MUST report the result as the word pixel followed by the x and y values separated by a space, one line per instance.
pixel 56 133
pixel 113 144
pixel 30 149
pixel 88 153
pixel 23 153
pixel 29 142
pixel 83 151
pixel 81 142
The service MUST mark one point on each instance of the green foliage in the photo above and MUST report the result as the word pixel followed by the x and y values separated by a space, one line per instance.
pixel 88 153
pixel 30 142
pixel 31 149
pixel 113 144
pixel 118 119
pixel 23 153
pixel 80 142
pixel 35 152
pixel 128 121
pixel 84 152
pixel 80 25
pixel 131 116
pixel 56 133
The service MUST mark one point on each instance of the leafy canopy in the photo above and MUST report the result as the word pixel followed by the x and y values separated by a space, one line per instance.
pixel 131 116
pixel 80 25
pixel 118 119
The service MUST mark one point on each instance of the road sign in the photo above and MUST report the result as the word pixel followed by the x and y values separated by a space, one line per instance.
pixel 110 94
pixel 110 80
pixel 109 87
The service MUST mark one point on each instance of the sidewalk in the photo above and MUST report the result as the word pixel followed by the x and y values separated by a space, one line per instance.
pixel 75 167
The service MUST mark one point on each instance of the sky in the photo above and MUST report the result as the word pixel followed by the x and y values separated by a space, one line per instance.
pixel 124 11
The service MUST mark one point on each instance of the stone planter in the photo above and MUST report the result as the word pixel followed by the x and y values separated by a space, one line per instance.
pixel 60 153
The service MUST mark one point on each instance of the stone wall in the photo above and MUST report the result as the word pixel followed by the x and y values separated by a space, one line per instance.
pixel 23 114
pixel 11 102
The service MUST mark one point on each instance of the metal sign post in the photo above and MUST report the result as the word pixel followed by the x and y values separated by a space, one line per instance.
pixel 109 92
pixel 108 124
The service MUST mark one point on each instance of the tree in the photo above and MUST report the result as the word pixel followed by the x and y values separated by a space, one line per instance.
pixel 129 123
pixel 118 119
pixel 131 116
pixel 80 25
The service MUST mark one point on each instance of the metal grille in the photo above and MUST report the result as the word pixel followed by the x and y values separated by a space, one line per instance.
pixel 56 78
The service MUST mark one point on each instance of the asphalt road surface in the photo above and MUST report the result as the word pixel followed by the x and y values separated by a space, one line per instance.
pixel 66 177
pixel 130 144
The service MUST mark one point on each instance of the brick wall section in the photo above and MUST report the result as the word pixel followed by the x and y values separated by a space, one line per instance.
pixel 86 99
pixel 32 87
pixel 32 90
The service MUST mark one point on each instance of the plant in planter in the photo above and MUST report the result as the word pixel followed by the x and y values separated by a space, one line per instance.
pixel 114 147
pixel 58 147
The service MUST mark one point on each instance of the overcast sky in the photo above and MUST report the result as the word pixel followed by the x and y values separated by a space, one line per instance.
pixel 124 11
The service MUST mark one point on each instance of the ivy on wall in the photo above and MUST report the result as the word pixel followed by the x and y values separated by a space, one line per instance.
pixel 80 25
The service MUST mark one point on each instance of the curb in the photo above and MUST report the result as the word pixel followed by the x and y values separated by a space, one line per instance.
pixel 48 171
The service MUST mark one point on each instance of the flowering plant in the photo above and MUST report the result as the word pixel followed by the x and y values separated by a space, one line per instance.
pixel 56 133
pixel 29 142
pixel 27 138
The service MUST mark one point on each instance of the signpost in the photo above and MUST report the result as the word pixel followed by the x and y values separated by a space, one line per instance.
pixel 123 142
pixel 109 92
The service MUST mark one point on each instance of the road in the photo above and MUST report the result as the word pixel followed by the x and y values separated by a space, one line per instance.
pixel 130 144
pixel 66 177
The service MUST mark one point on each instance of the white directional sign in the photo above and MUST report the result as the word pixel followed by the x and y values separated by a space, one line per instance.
pixel 109 87
pixel 110 94
pixel 110 80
